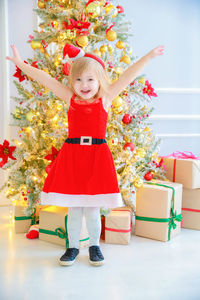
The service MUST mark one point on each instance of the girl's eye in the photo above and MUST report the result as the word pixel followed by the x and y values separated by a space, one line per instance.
pixel 78 79
pixel 90 79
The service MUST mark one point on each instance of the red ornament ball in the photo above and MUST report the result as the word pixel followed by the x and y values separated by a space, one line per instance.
pixel 120 9
pixel 126 119
pixel 148 176
pixel 130 145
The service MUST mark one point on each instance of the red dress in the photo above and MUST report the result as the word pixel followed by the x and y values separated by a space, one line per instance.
pixel 83 175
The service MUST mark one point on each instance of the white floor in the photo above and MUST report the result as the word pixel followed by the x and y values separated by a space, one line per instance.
pixel 143 270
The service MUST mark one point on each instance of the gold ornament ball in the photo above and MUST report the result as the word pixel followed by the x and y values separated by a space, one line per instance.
pixel 93 9
pixel 127 50
pixel 43 134
pixel 42 50
pixel 126 59
pixel 41 4
pixel 117 102
pixel 111 35
pixel 70 34
pixel 103 48
pixel 17 113
pixel 142 80
pixel 58 61
pixel 29 116
pixel 144 108
pixel 62 36
pixel 97 52
pixel 117 110
pixel 146 129
pixel 110 49
pixel 141 152
pixel 55 24
pixel 82 40
pixel 118 70
pixel 138 183
pixel 59 107
pixel 109 8
pixel 35 45
pixel 120 44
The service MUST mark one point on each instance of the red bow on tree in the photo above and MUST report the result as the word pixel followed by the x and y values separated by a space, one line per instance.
pixel 19 74
pixel 6 152
pixel 52 157
pixel 76 24
pixel 149 90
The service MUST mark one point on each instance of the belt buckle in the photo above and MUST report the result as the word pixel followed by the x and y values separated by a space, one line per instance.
pixel 88 142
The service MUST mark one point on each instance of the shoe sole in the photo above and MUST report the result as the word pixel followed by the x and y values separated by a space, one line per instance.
pixel 66 263
pixel 97 263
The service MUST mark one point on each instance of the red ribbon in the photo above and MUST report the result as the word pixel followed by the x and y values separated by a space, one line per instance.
pixel 174 170
pixel 183 154
pixel 191 209
pixel 122 230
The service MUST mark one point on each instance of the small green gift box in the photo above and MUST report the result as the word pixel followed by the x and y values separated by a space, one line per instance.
pixel 53 227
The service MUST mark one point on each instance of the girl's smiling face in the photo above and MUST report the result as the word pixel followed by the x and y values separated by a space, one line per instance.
pixel 86 85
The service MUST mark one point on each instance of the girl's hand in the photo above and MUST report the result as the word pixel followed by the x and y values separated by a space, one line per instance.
pixel 16 57
pixel 156 51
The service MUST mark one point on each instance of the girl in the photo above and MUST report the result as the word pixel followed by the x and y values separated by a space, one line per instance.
pixel 83 176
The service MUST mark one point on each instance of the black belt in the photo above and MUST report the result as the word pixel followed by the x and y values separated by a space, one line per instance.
pixel 85 140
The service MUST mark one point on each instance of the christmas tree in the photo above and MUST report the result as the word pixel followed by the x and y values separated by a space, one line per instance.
pixel 101 28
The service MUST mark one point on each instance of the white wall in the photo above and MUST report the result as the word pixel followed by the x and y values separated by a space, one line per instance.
pixel 176 24
pixel 17 22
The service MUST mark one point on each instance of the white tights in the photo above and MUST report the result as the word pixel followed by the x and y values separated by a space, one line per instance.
pixel 74 223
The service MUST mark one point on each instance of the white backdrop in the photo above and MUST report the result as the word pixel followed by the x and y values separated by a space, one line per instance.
pixel 17 22
pixel 174 23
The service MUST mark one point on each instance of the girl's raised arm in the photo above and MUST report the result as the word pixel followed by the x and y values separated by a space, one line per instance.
pixel 131 73
pixel 60 90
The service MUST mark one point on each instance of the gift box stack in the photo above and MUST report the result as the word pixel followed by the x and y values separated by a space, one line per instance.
pixel 158 210
pixel 23 222
pixel 117 226
pixel 184 167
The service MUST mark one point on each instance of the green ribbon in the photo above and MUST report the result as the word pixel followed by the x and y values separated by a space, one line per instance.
pixel 32 217
pixel 173 214
pixel 61 233
pixel 22 218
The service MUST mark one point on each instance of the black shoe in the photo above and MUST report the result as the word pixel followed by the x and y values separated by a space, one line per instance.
pixel 96 257
pixel 69 256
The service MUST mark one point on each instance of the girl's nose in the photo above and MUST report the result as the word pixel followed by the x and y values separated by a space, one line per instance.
pixel 84 85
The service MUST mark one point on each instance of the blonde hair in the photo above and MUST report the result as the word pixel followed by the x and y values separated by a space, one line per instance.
pixel 84 63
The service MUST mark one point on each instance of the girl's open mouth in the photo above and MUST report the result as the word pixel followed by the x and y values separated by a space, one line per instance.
pixel 85 92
